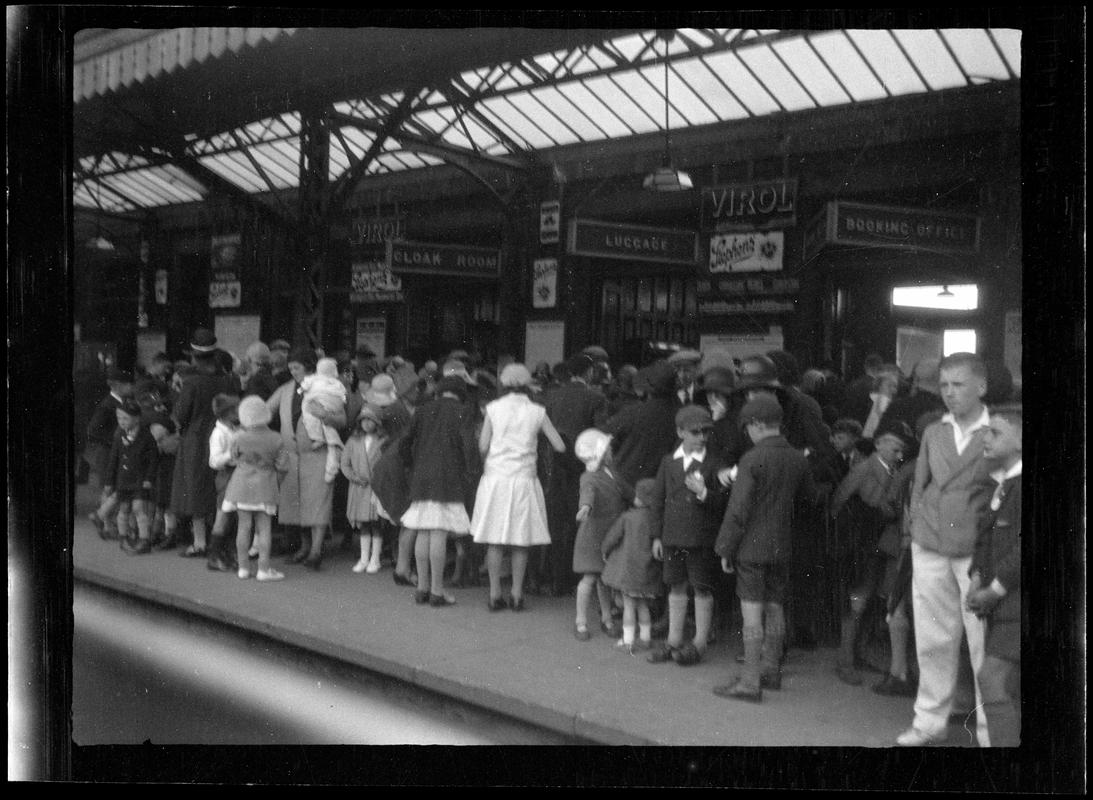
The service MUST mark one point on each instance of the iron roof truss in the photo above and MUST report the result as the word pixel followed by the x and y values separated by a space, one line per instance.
pixel 502 115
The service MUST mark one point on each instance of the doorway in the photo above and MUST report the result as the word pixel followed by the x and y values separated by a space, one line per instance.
pixel 640 315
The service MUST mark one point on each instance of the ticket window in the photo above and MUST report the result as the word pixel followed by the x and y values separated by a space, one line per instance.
pixel 934 321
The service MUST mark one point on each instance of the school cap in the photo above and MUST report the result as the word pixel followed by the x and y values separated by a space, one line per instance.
pixel 684 357
pixel 458 369
pixel 761 409
pixel 691 417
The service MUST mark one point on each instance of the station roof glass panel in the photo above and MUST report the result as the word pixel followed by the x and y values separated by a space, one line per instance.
pixel 608 89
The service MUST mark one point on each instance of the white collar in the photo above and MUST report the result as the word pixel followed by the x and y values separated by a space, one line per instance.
pixel 116 396
pixel 1002 475
pixel 983 421
pixel 698 456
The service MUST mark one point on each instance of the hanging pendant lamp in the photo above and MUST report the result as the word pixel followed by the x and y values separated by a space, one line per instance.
pixel 667 178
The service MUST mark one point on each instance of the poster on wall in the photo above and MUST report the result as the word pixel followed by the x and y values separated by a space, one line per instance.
pixel 746 252
pixel 550 221
pixel 225 288
pixel 544 340
pixel 724 349
pixel 372 333
pixel 373 282
pixel 544 291
pixel 236 332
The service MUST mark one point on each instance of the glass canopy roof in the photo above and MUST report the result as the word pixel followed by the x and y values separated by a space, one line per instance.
pixel 609 90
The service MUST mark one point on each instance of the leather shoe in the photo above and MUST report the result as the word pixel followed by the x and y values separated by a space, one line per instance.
pixel 661 653
pixel 497 604
pixel 136 547
pixel 581 634
pixel 313 564
pixel 613 630
pixel 218 563
pixel 440 600
pixel 848 675
pixel 737 691
pixel 166 543
pixel 516 604
pixel 892 686
pixel 97 521
pixel 771 680
pixel 913 737
pixel 298 557
pixel 402 580
pixel 193 552
pixel 421 598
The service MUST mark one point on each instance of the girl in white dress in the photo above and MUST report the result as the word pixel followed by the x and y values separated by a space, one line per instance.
pixel 509 508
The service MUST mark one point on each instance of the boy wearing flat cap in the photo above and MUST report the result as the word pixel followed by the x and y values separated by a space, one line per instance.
pixel 686 504
pixel 772 479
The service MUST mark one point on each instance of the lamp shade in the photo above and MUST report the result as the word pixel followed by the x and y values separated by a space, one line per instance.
pixel 667 179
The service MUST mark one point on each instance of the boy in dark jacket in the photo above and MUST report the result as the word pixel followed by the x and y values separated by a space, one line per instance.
pixel 995 589
pixel 755 541
pixel 130 472
pixel 687 502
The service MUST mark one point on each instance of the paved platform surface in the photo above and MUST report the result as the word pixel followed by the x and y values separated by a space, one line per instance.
pixel 527 665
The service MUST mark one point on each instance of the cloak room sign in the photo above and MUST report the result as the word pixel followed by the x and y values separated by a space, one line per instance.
pixel 632 242
pixel 443 259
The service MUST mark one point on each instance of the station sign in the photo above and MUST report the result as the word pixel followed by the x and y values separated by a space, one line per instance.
pixel 862 225
pixel 754 205
pixel 443 259
pixel 632 242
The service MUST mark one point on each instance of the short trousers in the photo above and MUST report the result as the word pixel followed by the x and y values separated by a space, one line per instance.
pixel 762 583
pixel 697 566
pixel 878 576
pixel 129 495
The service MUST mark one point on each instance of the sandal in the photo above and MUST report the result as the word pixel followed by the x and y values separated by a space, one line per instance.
pixel 661 653
pixel 687 655
pixel 193 552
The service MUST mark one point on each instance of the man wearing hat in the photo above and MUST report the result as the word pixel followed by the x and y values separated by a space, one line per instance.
pixel 865 496
pixel 756 541
pixel 685 363
pixel 601 372
pixel 572 407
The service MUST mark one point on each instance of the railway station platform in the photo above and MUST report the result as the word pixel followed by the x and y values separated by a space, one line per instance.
pixel 525 665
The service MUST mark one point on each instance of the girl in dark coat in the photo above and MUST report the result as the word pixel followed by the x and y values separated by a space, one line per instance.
pixel 435 449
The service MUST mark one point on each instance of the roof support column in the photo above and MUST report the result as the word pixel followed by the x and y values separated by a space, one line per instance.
pixel 314 231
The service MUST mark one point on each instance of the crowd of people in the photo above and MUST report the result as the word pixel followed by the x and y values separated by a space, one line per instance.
pixel 658 492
